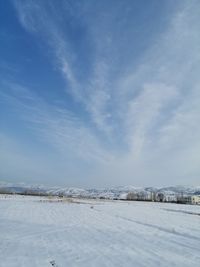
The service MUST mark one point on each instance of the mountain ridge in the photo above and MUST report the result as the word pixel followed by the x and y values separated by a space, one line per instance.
pixel 109 192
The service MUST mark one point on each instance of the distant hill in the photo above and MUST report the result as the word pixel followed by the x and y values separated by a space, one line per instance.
pixel 107 193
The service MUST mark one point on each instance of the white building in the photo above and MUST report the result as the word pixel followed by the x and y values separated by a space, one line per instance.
pixel 195 199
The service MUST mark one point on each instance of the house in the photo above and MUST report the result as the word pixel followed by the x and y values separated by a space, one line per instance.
pixel 171 198
pixel 195 199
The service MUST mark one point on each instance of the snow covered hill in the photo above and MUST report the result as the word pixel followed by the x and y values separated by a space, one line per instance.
pixel 107 193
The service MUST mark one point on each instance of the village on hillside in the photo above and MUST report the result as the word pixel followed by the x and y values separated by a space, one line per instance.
pixel 179 195
pixel 164 197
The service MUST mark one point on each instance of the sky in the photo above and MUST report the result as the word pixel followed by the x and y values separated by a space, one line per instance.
pixel 100 93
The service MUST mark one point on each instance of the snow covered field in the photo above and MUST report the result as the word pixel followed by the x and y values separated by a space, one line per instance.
pixel 37 232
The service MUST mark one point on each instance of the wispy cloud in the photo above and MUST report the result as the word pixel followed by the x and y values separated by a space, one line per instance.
pixel 93 94
pixel 148 112
pixel 54 125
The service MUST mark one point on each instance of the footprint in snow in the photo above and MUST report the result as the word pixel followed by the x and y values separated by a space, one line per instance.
pixel 53 263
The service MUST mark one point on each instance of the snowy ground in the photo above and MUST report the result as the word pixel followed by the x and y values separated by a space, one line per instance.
pixel 37 232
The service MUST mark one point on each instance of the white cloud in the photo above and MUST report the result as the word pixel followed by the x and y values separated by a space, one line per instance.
pixel 162 107
pixel 56 126
pixel 94 95
pixel 154 108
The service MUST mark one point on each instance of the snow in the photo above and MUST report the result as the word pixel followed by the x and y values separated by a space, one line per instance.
pixel 120 192
pixel 39 231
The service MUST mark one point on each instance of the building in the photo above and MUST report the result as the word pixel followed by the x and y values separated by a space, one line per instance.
pixel 195 199
pixel 171 198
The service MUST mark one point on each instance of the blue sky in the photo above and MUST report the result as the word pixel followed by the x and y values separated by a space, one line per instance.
pixel 100 93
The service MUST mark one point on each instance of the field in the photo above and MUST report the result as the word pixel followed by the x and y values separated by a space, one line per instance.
pixel 39 232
